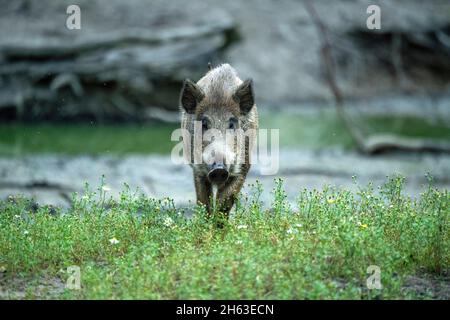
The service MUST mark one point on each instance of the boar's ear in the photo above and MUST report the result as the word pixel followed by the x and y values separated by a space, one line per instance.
pixel 190 96
pixel 244 96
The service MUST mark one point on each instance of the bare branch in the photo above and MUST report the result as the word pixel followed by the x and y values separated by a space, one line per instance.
pixel 330 73
pixel 376 143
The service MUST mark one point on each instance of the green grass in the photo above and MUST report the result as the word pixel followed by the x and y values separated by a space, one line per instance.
pixel 326 129
pixel 73 139
pixel 319 249
pixel 296 131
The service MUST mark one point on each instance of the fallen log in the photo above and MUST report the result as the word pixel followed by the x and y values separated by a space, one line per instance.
pixel 114 75
pixel 376 143
pixel 388 142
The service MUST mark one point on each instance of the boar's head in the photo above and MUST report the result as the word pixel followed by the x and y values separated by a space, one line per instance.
pixel 219 112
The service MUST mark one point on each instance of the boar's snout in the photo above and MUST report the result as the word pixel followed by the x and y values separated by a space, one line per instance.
pixel 218 174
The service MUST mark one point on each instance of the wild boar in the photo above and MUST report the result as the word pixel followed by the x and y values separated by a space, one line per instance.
pixel 219 106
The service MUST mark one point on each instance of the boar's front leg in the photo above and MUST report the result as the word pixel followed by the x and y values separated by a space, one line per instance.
pixel 226 194
pixel 203 189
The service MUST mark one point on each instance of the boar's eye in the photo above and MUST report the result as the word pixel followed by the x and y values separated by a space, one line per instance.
pixel 205 124
pixel 232 124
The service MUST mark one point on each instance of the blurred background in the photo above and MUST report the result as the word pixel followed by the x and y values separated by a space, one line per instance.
pixel 103 100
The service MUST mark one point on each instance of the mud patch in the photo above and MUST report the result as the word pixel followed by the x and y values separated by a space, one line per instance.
pixel 428 286
pixel 42 287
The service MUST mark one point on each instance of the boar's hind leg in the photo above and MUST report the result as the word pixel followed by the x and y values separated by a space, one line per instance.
pixel 203 189
pixel 227 194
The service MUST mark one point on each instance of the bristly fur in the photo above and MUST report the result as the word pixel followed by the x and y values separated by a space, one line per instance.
pixel 220 93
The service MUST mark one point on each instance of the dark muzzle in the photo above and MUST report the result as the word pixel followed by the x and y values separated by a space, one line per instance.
pixel 218 174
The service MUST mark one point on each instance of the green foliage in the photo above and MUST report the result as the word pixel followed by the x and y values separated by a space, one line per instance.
pixel 326 129
pixel 144 248
pixel 296 131
pixel 17 138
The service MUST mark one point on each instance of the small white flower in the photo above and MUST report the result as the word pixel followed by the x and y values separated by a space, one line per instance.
pixel 299 225
pixel 239 242
pixel 289 231
pixel 114 241
pixel 25 232
pixel 242 226
pixel 168 222
pixel 16 216
pixel 106 188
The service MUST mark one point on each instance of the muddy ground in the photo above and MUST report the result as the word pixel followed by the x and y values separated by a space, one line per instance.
pixel 52 179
